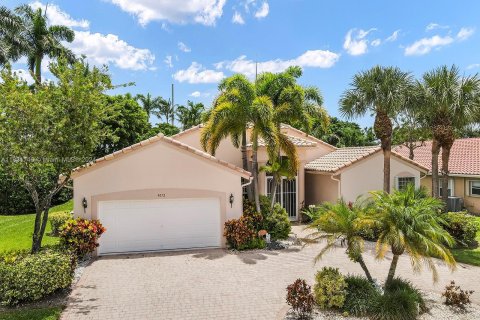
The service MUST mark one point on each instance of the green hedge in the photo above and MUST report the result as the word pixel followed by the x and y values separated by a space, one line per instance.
pixel 32 276
pixel 462 227
pixel 57 220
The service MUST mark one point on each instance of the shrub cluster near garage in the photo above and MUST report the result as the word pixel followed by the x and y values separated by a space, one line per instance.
pixel 29 277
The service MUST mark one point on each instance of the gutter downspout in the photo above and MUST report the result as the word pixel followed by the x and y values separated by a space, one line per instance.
pixel 250 180
pixel 339 185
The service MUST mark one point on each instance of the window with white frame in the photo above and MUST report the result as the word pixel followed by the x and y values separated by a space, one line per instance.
pixel 403 182
pixel 474 187
pixel 450 187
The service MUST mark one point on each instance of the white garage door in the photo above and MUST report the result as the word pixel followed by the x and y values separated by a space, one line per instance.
pixel 149 225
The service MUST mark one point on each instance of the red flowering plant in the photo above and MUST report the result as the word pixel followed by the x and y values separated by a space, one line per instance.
pixel 81 235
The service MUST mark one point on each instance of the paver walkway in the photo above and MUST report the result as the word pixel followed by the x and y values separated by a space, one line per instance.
pixel 218 284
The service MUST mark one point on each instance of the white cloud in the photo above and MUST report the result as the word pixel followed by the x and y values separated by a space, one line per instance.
pixel 237 18
pixel 183 47
pixel 58 17
pixel 355 41
pixel 205 12
pixel 196 73
pixel 168 61
pixel 196 94
pixel 263 11
pixel 376 42
pixel 473 66
pixel 465 33
pixel 425 45
pixel 433 26
pixel 109 49
pixel 309 59
pixel 394 36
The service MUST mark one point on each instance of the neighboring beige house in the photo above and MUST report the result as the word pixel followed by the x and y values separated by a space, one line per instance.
pixel 165 193
pixel 464 167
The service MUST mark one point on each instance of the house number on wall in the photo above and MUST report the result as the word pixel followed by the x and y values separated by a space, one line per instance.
pixel 161 195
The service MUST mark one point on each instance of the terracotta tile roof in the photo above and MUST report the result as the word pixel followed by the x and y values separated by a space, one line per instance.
pixel 464 156
pixel 161 138
pixel 344 157
pixel 299 142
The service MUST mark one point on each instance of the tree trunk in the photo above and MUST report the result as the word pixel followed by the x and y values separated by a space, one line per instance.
pixel 38 70
pixel 245 163
pixel 255 171
pixel 435 152
pixel 411 154
pixel 365 269
pixel 445 172
pixel 383 130
pixel 393 267
pixel 41 220
pixel 274 191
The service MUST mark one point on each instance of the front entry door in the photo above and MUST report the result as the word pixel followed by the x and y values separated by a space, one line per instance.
pixel 286 195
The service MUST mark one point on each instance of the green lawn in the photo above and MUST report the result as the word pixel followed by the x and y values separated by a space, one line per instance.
pixel 16 231
pixel 469 256
pixel 52 313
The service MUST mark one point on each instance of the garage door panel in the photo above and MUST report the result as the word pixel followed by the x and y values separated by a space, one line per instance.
pixel 143 225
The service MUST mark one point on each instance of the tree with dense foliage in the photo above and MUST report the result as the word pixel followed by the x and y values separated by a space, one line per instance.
pixel 410 131
pixel 165 128
pixel 49 132
pixel 342 222
pixel 125 124
pixel 236 108
pixel 26 33
pixel 448 102
pixel 294 105
pixel 346 134
pixel 409 222
pixel 382 91
pixel 191 115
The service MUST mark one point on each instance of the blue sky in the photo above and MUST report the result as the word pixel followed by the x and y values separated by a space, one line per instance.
pixel 194 43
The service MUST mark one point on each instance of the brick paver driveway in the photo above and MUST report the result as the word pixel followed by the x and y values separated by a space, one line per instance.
pixel 218 284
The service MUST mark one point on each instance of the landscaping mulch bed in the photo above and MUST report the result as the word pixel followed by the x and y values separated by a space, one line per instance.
pixel 437 310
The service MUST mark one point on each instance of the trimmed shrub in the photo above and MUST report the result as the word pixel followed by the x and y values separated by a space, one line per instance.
pixel 462 227
pixel 455 296
pixel 254 243
pixel 57 220
pixel 254 218
pixel 400 301
pixel 361 295
pixel 238 233
pixel 330 288
pixel 277 223
pixel 81 235
pixel 300 298
pixel 33 276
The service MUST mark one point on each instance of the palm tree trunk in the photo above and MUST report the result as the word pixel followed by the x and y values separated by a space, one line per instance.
pixel 393 267
pixel 274 191
pixel 38 70
pixel 435 152
pixel 255 171
pixel 245 163
pixel 383 130
pixel 445 172
pixel 365 269
pixel 386 169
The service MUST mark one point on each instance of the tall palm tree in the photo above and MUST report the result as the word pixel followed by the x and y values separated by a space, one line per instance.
pixel 235 109
pixel 149 103
pixel 382 91
pixel 191 115
pixel 164 109
pixel 448 102
pixel 409 223
pixel 294 105
pixel 34 38
pixel 341 222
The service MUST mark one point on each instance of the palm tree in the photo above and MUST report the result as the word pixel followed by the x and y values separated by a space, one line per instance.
pixel 383 92
pixel 294 105
pixel 235 109
pixel 278 168
pixel 149 104
pixel 341 222
pixel 164 109
pixel 190 116
pixel 32 37
pixel 410 223
pixel 448 102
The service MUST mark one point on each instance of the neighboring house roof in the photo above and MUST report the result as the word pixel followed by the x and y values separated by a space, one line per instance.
pixel 161 138
pixel 299 142
pixel 341 158
pixel 464 156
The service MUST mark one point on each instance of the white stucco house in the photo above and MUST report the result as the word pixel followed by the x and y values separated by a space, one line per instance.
pixel 164 193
